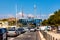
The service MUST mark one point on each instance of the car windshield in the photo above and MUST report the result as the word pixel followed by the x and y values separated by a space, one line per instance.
pixel 11 29
pixel 20 29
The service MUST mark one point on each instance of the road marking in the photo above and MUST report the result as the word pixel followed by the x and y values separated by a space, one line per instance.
pixel 11 39
pixel 20 35
pixel 29 36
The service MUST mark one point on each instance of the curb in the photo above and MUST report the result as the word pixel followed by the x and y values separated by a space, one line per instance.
pixel 41 36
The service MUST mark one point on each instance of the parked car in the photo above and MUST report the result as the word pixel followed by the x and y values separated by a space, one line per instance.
pixel 49 28
pixel 32 30
pixel 43 28
pixel 12 32
pixel 58 29
pixel 37 29
pixel 26 29
pixel 21 30
pixel 3 34
pixel 18 31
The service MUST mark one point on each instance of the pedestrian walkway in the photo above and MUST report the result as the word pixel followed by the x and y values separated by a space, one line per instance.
pixel 55 36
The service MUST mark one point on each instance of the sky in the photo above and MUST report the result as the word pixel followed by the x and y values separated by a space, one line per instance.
pixel 44 8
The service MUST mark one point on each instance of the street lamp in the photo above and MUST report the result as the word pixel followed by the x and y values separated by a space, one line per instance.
pixel 35 9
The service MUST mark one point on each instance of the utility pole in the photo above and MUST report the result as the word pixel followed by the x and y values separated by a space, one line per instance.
pixel 16 15
pixel 22 13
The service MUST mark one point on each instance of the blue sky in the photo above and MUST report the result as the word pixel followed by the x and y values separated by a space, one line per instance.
pixel 44 7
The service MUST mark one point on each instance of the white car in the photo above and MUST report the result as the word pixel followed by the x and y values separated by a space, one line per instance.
pixel 12 32
pixel 32 30
pixel 26 29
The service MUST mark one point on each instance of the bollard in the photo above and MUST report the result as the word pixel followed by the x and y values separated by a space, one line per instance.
pixel 50 37
pixel 56 39
pixel 53 38
pixel 47 36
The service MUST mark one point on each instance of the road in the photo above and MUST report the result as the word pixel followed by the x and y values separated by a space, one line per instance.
pixel 26 36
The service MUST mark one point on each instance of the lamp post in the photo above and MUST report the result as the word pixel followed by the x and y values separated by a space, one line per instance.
pixel 35 10
pixel 35 13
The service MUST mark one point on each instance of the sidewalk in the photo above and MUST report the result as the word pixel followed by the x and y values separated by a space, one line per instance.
pixel 49 36
pixel 55 35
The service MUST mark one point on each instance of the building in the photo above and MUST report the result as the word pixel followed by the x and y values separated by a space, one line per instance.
pixel 3 24
pixel 37 21
pixel 33 21
pixel 11 19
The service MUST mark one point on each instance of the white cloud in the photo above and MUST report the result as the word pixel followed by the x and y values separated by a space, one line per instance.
pixel 51 14
pixel 6 16
pixel 30 15
pixel 44 16
pixel 10 15
pixel 19 15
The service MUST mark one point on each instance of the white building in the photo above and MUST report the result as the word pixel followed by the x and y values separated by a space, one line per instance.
pixel 3 24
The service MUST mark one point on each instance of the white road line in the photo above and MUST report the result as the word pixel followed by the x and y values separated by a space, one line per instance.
pixel 20 35
pixel 11 39
pixel 29 35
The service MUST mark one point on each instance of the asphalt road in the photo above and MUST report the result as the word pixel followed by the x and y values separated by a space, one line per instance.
pixel 26 36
